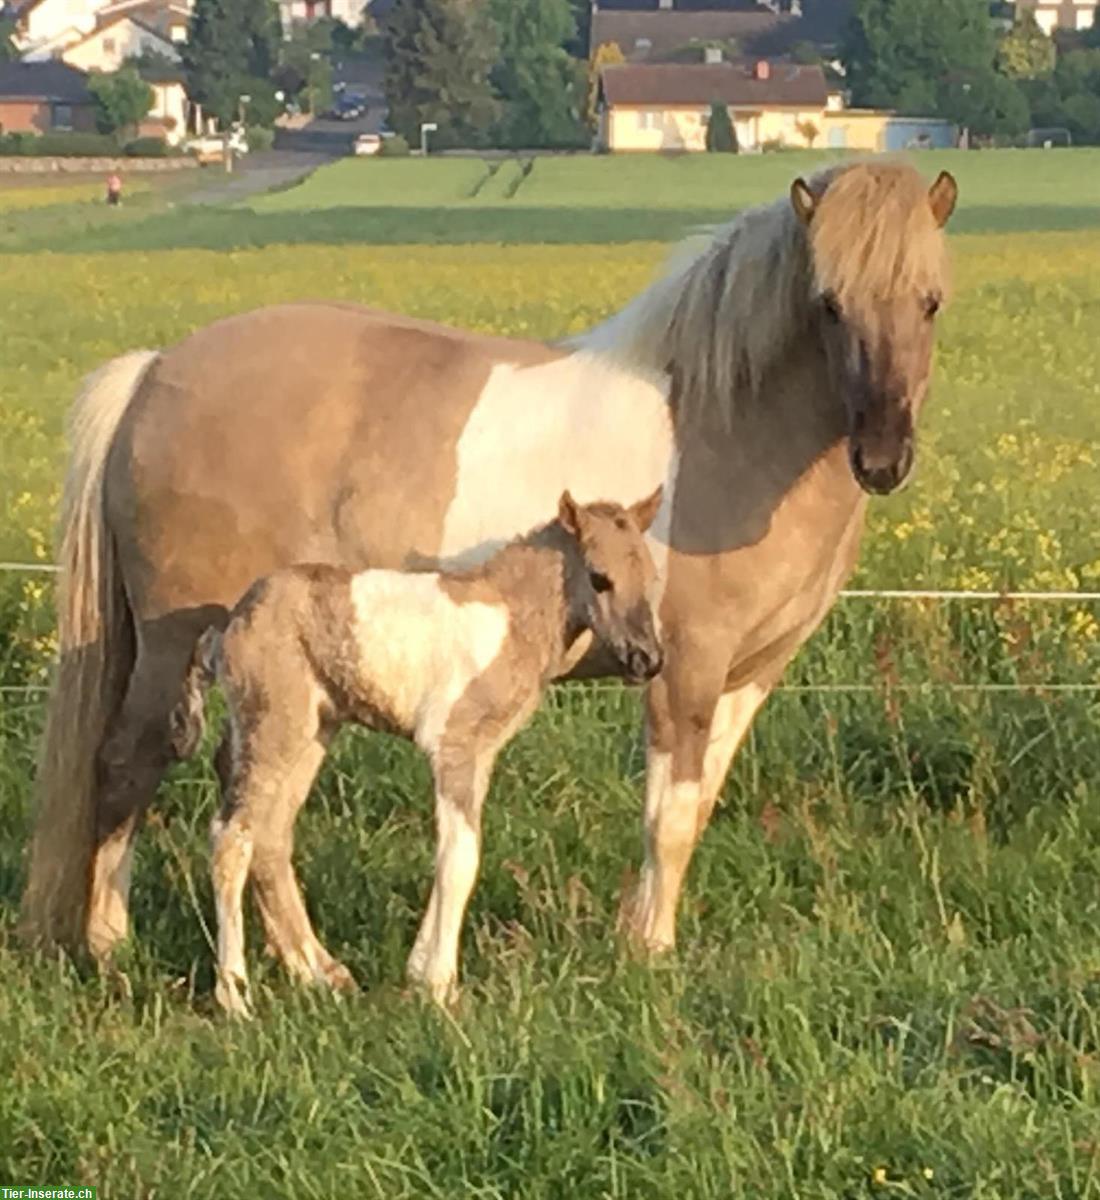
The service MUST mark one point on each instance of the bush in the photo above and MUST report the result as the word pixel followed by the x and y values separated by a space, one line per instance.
pixel 721 135
pixel 394 147
pixel 63 145
pixel 148 147
pixel 259 137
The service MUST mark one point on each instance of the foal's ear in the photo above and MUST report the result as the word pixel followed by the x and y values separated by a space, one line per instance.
pixel 645 510
pixel 568 515
pixel 942 196
pixel 803 200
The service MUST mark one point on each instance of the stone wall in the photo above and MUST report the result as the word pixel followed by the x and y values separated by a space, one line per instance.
pixel 46 164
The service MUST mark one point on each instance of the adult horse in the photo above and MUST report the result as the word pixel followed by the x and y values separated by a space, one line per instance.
pixel 769 382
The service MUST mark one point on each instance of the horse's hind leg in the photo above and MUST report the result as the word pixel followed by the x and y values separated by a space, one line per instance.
pixel 135 753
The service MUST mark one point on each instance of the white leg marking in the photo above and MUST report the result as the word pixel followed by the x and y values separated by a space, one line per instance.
pixel 232 855
pixel 677 813
pixel 108 908
pixel 457 860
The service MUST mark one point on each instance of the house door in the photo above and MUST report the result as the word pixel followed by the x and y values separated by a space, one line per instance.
pixel 838 136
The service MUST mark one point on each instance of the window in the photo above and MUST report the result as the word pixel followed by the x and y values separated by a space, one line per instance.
pixel 649 120
pixel 108 45
pixel 62 116
pixel 1086 18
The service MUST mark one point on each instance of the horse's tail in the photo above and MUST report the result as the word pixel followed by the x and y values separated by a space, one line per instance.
pixel 96 647
pixel 188 720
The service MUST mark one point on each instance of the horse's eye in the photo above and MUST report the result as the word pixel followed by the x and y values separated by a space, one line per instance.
pixel 599 581
pixel 830 305
pixel 931 306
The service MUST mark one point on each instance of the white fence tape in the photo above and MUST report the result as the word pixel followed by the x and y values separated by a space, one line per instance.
pixel 852 594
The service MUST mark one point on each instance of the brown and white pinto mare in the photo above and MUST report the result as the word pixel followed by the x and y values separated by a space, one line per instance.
pixel 769 382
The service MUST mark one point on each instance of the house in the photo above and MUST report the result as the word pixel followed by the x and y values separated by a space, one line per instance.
pixel 876 130
pixel 660 29
pixel 297 12
pixel 1054 15
pixel 115 39
pixel 47 28
pixel 45 97
pixel 665 106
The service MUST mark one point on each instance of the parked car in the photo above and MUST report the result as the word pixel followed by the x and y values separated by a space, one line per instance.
pixel 349 107
pixel 368 143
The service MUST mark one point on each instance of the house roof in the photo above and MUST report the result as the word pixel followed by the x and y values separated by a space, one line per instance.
pixel 757 28
pixel 53 80
pixel 660 85
pixel 117 18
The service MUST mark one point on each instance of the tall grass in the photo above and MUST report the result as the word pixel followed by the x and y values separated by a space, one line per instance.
pixel 888 980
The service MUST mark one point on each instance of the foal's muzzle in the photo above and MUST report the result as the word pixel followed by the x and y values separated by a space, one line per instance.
pixel 642 665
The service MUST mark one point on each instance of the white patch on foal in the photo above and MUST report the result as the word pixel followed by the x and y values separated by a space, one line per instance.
pixel 580 422
pixel 420 647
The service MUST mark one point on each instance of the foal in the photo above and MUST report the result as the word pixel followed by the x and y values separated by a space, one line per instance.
pixel 454 661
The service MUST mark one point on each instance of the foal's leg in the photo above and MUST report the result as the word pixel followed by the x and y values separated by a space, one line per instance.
pixel 293 764
pixel 460 787
pixel 231 845
pixel 693 732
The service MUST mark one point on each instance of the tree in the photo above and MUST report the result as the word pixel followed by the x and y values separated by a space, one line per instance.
pixel 121 99
pixel 8 52
pixel 439 57
pixel 1025 52
pixel 899 53
pixel 721 135
pixel 988 104
pixel 230 51
pixel 540 84
pixel 607 54
pixel 808 131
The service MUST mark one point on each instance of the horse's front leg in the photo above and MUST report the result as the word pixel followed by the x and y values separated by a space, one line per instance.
pixel 693 729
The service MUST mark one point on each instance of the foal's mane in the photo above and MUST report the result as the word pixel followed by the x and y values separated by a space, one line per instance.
pixel 723 315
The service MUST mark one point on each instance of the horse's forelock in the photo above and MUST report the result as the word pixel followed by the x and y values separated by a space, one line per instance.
pixel 874 235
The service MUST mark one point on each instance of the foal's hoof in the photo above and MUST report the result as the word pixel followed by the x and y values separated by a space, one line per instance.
pixel 233 1002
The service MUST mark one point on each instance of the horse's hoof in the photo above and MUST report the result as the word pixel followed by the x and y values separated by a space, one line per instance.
pixel 339 978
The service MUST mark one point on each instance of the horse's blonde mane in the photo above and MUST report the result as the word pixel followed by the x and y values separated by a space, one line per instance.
pixel 723 315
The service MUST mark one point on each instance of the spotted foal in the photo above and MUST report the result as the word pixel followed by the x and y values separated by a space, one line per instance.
pixel 454 661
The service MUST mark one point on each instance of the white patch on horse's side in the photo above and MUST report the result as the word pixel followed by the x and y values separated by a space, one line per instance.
pixel 579 422
pixel 420 648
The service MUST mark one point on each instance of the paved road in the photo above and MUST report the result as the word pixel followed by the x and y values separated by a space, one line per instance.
pixel 256 173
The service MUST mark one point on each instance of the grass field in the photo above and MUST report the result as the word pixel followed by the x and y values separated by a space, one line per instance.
pixel 889 973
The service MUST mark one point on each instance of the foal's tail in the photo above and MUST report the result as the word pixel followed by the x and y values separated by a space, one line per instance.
pixel 188 717
pixel 95 641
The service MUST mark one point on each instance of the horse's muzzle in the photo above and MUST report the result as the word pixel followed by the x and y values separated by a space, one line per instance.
pixel 880 476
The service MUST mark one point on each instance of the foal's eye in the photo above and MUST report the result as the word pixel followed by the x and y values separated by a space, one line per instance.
pixel 830 305
pixel 931 306
pixel 600 582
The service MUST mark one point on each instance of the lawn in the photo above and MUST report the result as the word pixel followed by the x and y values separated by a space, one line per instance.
pixel 889 973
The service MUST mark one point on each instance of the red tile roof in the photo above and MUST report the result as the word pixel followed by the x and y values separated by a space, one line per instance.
pixel 736 84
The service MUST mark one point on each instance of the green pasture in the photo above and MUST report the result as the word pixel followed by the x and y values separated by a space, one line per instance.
pixel 888 982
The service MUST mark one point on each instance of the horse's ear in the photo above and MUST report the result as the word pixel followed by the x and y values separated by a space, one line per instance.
pixel 942 196
pixel 568 516
pixel 644 512
pixel 802 200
